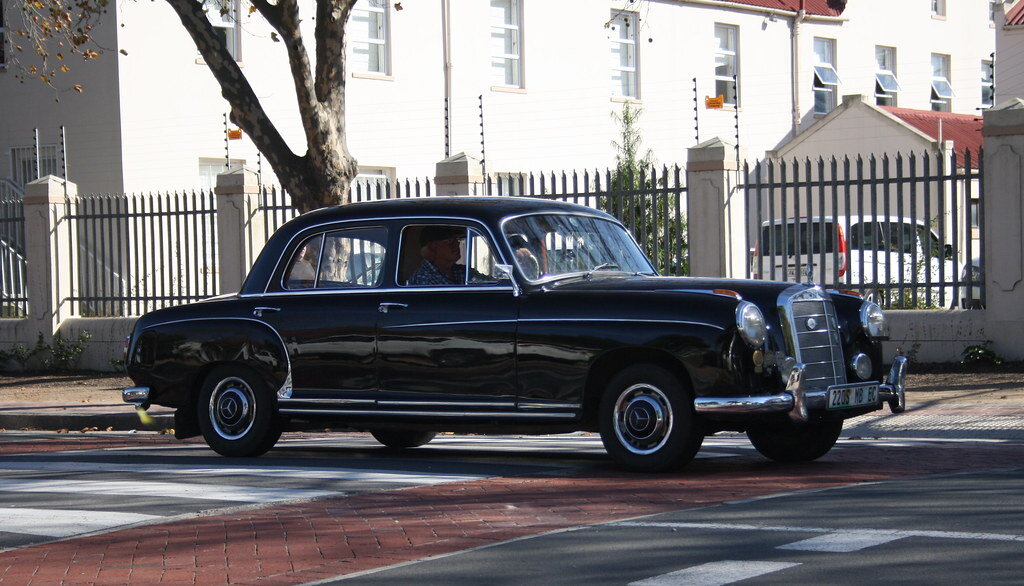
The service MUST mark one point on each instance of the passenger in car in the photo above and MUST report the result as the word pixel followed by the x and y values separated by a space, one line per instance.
pixel 441 248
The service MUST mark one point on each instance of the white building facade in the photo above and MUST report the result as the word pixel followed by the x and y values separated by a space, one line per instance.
pixel 526 85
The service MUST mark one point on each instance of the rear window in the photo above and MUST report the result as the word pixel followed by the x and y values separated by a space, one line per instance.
pixel 798 238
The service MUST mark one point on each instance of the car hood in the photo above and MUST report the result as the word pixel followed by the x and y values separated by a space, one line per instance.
pixel 763 293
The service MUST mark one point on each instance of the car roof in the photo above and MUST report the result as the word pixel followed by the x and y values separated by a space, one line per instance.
pixel 488 209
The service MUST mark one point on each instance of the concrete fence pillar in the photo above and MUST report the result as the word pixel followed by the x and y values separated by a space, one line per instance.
pixel 240 226
pixel 716 211
pixel 1003 227
pixel 459 174
pixel 52 278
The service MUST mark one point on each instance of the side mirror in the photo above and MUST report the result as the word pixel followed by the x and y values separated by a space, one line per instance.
pixel 506 273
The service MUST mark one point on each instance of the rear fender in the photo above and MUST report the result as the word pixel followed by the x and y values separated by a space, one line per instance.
pixel 173 357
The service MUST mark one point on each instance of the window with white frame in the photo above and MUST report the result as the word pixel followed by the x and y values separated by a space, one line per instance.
pixel 988 88
pixel 23 163
pixel 826 79
pixel 886 85
pixel 210 168
pixel 624 58
pixel 223 15
pixel 371 37
pixel 942 91
pixel 726 62
pixel 506 47
pixel 939 7
pixel 372 183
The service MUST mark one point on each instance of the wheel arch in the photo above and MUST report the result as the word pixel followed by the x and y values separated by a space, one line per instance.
pixel 605 367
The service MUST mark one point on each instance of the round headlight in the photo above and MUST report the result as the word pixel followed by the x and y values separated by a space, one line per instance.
pixel 861 366
pixel 873 321
pixel 751 324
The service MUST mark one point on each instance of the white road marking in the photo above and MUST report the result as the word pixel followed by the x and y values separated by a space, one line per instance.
pixel 64 523
pixel 716 573
pixel 894 533
pixel 322 473
pixel 213 492
pixel 843 541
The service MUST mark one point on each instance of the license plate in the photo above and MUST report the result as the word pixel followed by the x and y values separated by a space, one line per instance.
pixel 848 396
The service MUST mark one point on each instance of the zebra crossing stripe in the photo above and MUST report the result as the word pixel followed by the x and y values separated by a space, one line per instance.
pixel 212 492
pixel 293 472
pixel 716 573
pixel 64 523
pixel 844 541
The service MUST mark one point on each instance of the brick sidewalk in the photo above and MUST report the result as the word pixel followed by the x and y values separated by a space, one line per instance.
pixel 290 544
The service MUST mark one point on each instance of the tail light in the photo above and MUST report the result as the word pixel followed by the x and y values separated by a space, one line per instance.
pixel 842 250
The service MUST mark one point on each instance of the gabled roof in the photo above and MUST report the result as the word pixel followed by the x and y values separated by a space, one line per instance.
pixel 963 129
pixel 818 7
pixel 1015 15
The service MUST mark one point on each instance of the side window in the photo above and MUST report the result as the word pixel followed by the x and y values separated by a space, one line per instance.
pixel 342 259
pixel 441 255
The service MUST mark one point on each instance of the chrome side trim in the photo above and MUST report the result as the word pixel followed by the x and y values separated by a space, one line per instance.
pixel 454 323
pixel 492 405
pixel 328 402
pixel 632 321
pixel 523 405
pixel 442 414
pixel 136 395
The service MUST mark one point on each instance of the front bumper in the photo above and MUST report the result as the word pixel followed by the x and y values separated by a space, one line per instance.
pixel 798 401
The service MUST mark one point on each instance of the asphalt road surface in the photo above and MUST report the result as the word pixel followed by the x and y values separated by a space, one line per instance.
pixel 935 528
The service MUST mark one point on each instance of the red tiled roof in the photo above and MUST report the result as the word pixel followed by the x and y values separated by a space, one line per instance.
pixel 963 129
pixel 1015 15
pixel 819 7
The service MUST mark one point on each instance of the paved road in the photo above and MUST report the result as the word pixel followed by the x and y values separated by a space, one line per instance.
pixel 949 530
pixel 122 508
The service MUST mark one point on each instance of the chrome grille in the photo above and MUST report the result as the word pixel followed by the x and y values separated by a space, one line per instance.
pixel 813 336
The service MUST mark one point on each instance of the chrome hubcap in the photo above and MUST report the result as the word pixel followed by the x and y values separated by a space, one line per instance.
pixel 643 419
pixel 232 408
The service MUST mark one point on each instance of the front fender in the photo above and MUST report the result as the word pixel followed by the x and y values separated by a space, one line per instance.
pixel 171 358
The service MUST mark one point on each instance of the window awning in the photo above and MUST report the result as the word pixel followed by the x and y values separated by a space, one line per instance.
pixel 887 81
pixel 826 75
pixel 942 89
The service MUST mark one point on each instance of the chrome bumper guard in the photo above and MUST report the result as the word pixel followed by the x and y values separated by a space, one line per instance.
pixel 136 395
pixel 797 401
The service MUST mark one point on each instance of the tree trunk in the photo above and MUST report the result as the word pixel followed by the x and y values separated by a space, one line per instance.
pixel 322 176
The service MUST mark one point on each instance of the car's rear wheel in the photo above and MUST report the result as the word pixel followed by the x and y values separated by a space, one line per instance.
pixel 402 438
pixel 236 412
pixel 793 442
pixel 647 420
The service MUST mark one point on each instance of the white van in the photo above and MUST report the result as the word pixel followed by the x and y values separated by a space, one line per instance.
pixel 872 254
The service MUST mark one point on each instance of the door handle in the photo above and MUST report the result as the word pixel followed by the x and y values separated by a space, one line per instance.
pixel 258 312
pixel 387 306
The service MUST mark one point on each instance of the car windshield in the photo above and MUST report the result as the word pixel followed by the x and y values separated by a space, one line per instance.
pixel 548 246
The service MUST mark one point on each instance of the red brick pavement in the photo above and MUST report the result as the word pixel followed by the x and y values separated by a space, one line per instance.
pixel 289 544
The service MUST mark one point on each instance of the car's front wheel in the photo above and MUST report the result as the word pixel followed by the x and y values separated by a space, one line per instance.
pixel 236 412
pixel 795 442
pixel 647 420
pixel 402 438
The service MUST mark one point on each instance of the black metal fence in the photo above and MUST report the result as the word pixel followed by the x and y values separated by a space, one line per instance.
pixel 650 202
pixel 904 230
pixel 13 293
pixel 136 253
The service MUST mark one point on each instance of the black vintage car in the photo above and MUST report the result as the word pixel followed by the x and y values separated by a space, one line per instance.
pixel 551 320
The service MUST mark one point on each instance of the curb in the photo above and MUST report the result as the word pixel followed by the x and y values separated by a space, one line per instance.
pixel 49 421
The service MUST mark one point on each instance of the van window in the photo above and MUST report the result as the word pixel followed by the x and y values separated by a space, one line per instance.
pixel 816 237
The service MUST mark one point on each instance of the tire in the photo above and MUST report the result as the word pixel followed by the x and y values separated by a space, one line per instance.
pixel 237 412
pixel 791 442
pixel 401 439
pixel 647 420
